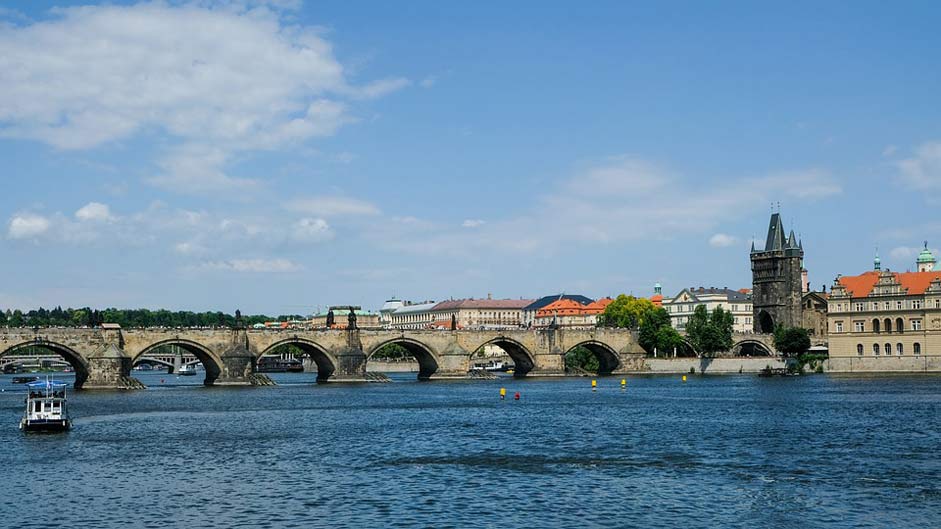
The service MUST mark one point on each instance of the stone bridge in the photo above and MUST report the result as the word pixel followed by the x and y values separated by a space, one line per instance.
pixel 103 358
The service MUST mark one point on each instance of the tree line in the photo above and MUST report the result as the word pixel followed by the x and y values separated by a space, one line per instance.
pixel 88 317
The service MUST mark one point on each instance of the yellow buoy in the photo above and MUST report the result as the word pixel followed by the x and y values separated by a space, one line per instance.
pixel 684 378
pixel 623 383
pixel 594 385
pixel 502 393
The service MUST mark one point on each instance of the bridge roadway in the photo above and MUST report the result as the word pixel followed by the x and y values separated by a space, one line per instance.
pixel 103 358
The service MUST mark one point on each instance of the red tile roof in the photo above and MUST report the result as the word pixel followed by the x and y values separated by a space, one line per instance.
pixel 914 282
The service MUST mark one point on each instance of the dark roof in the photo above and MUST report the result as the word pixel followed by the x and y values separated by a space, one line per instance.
pixel 732 295
pixel 776 241
pixel 482 304
pixel 546 300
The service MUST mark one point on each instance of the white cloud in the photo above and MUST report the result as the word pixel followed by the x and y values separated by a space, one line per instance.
pixel 903 252
pixel 640 200
pixel 311 230
pixel 188 248
pixel 332 206
pixel 253 265
pixel 923 170
pixel 382 87
pixel 94 212
pixel 806 184
pixel 722 240
pixel 217 78
pixel 428 82
pixel 28 226
pixel 473 223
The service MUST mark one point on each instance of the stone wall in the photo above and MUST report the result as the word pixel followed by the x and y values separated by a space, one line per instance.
pixel 710 365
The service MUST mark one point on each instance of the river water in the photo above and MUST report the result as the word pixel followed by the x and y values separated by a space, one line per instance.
pixel 720 451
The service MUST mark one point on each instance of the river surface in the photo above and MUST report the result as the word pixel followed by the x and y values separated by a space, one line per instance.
pixel 715 451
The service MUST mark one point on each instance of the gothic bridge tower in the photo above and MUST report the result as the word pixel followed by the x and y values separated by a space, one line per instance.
pixel 776 279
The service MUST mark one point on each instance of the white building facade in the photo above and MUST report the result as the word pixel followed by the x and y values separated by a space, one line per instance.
pixel 738 302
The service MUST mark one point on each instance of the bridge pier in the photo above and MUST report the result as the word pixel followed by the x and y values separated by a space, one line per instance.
pixel 351 360
pixel 453 363
pixel 238 366
pixel 109 368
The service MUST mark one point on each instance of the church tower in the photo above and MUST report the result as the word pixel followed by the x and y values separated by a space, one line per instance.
pixel 926 260
pixel 777 279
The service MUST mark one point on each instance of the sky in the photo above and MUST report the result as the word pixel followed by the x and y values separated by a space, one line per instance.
pixel 281 156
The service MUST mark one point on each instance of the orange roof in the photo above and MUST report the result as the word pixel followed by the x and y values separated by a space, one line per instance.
pixel 914 282
pixel 568 307
pixel 657 300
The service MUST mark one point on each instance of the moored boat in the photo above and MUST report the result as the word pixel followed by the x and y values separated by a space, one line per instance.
pixel 24 380
pixel 46 408
pixel 187 370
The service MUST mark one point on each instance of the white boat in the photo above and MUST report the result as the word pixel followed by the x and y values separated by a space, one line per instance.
pixel 46 408
pixel 187 370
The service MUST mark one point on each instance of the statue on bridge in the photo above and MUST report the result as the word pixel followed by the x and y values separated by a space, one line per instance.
pixel 453 322
pixel 331 319
pixel 238 319
pixel 351 319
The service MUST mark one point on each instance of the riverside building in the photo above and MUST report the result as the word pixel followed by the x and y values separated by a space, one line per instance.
pixel 887 321
pixel 738 302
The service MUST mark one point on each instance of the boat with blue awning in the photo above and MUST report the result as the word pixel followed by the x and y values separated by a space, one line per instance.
pixel 46 407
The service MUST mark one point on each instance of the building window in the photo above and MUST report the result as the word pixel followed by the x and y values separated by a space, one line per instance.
pixel 886 305
pixel 916 325
pixel 839 326
pixel 875 305
pixel 899 325
pixel 859 349
pixel 916 348
pixel 875 325
pixel 859 326
pixel 839 307
pixel 937 303
pixel 898 305
pixel 916 304
pixel 888 349
pixel 898 349
pixel 875 349
pixel 859 307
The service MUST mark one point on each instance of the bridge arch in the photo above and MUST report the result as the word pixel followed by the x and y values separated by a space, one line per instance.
pixel 751 348
pixel 608 359
pixel 210 361
pixel 427 359
pixel 523 360
pixel 326 362
pixel 79 365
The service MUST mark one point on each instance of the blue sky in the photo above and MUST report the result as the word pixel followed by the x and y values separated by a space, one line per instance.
pixel 277 156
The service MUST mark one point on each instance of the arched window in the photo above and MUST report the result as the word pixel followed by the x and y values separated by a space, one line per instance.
pixel 899 325
pixel 888 325
pixel 916 348
pixel 875 349
pixel 898 349
pixel 875 325
pixel 888 349
pixel 859 349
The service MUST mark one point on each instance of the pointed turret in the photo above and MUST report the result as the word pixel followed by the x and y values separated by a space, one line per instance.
pixel 775 240
pixel 791 240
pixel 876 262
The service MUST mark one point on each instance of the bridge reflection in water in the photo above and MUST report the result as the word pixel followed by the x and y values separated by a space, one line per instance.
pixel 103 358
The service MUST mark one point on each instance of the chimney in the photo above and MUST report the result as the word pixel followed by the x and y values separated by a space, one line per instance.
pixel 489 296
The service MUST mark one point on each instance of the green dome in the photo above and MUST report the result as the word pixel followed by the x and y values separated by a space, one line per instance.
pixel 926 256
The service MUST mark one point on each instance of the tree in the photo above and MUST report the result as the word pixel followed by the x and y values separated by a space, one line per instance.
pixel 3 318
pixel 582 358
pixel 791 340
pixel 626 312
pixel 710 333
pixel 17 319
pixel 656 333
